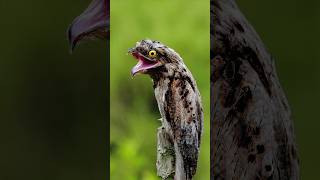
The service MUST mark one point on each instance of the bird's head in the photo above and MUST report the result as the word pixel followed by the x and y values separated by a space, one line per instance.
pixel 154 58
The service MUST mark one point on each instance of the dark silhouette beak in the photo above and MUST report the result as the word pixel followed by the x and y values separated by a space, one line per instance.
pixel 93 23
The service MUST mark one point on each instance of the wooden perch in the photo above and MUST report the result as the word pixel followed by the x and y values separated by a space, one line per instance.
pixel 252 135
pixel 165 155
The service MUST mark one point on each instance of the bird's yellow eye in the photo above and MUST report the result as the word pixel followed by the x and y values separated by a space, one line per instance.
pixel 152 53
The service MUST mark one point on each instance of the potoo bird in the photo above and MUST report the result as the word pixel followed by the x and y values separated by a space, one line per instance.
pixel 178 101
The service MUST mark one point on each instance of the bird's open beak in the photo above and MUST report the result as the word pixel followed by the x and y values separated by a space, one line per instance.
pixel 144 63
pixel 94 22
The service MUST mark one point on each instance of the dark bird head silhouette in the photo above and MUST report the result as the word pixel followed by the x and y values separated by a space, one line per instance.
pixel 93 23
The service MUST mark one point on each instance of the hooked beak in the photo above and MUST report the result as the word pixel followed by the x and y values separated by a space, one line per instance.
pixel 93 23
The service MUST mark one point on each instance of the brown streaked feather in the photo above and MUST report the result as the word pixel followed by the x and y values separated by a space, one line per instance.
pixel 178 100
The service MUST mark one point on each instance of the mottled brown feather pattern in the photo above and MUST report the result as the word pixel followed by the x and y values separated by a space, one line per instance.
pixel 179 104
pixel 252 133
pixel 182 111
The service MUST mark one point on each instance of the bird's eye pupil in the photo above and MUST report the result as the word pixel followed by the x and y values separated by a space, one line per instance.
pixel 152 53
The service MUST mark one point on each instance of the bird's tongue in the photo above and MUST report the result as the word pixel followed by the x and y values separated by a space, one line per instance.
pixel 142 65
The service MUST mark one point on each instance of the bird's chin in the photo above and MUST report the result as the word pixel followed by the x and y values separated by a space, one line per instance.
pixel 143 65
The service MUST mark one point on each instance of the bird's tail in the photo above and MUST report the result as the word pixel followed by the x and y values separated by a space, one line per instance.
pixel 186 159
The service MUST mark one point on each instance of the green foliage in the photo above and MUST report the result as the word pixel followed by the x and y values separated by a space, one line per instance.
pixel 183 26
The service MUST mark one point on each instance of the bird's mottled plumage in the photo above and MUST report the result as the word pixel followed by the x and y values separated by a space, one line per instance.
pixel 178 101
pixel 252 134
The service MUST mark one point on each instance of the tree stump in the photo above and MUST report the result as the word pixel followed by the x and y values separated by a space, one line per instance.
pixel 252 135
pixel 165 155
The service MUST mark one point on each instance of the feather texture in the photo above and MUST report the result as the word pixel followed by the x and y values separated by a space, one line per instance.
pixel 179 104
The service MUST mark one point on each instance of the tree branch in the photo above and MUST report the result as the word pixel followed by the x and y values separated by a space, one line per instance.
pixel 165 155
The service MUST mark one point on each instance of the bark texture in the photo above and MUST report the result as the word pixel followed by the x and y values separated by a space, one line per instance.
pixel 165 154
pixel 252 135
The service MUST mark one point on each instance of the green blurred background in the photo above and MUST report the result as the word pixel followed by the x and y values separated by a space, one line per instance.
pixel 290 30
pixel 183 26
pixel 53 105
